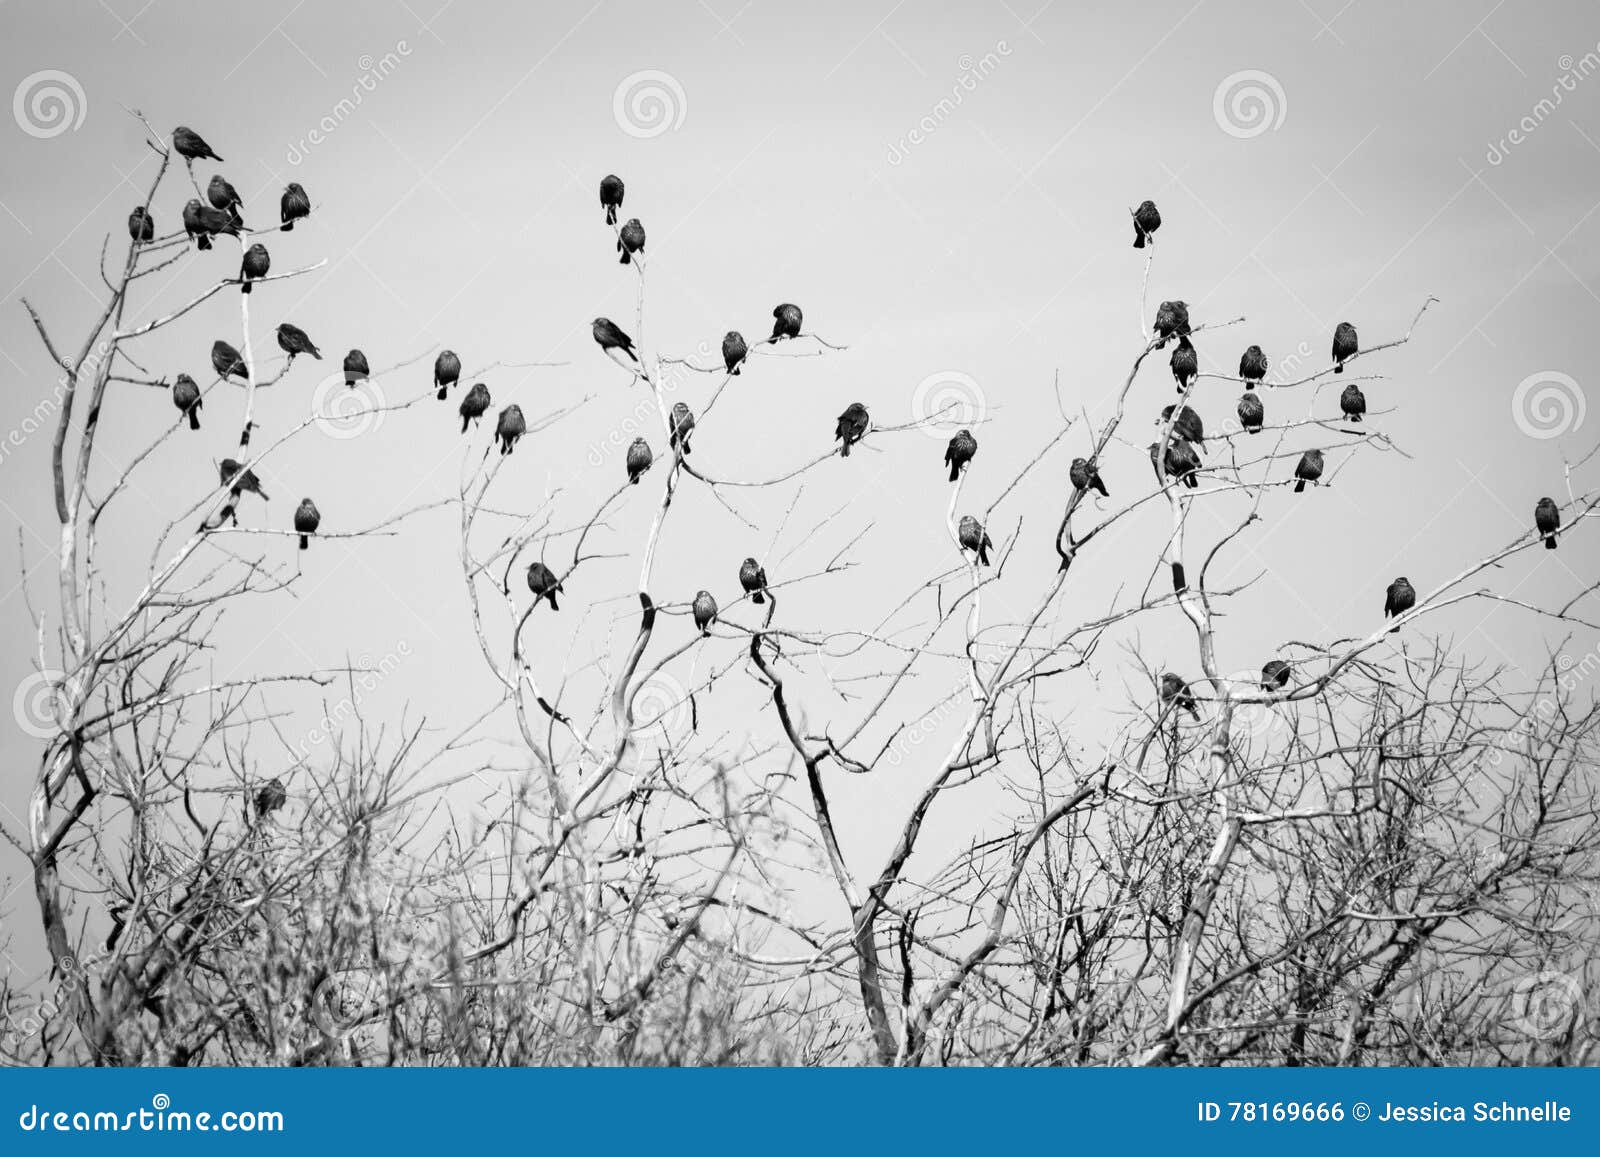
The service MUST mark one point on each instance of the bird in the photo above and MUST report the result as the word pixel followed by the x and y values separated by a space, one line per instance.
pixel 611 337
pixel 446 372
pixel 227 362
pixel 682 427
pixel 293 205
pixel 306 520
pixel 852 427
pixel 543 583
pixel 1344 345
pixel 786 321
pixel 1253 367
pixel 639 459
pixel 1185 364
pixel 734 350
pixel 1309 469
pixel 611 190
pixel 222 195
pixel 753 578
pixel 1275 674
pixel 1175 690
pixel 959 452
pixel 705 612
pixel 186 396
pixel 242 480
pixel 1172 318
pixel 1251 412
pixel 200 222
pixel 255 265
pixel 1146 220
pixel 630 240
pixel 1353 402
pixel 1084 475
pixel 972 536
pixel 1186 425
pixel 293 340
pixel 191 146
pixel 270 797
pixel 474 405
pixel 1547 517
pixel 1400 598
pixel 141 225
pixel 355 367
pixel 1180 460
pixel 511 426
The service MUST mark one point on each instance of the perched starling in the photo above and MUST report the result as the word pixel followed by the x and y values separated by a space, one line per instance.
pixel 293 205
pixel 1172 318
pixel 1180 461
pixel 1083 476
pixel 141 225
pixel 511 426
pixel 1185 364
pixel 1353 402
pixel 355 367
pixel 630 240
pixel 611 190
pixel 682 427
pixel 241 482
pixel 959 452
pixel 186 396
pixel 293 340
pixel 200 222
pixel 1251 412
pixel 610 337
pixel 1253 367
pixel 1309 469
pixel 734 350
pixel 255 265
pixel 1275 674
pixel 1547 517
pixel 227 362
pixel 474 405
pixel 225 197
pixel 270 797
pixel 191 146
pixel 753 578
pixel 1186 425
pixel 446 372
pixel 1175 690
pixel 639 459
pixel 972 536
pixel 786 321
pixel 1146 220
pixel 306 520
pixel 705 612
pixel 1400 598
pixel 852 427
pixel 543 583
pixel 1344 345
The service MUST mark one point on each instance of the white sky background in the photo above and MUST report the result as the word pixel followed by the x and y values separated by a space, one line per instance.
pixel 457 206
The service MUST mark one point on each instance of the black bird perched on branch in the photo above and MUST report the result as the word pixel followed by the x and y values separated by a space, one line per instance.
pixel 611 190
pixel 852 427
pixel 241 480
pixel 191 146
pixel 293 340
pixel 1180 460
pixel 543 583
pixel 1084 476
pixel 227 362
pixel 610 337
pixel 141 225
pixel 1275 674
pixel 1251 412
pixel 959 452
pixel 1185 364
pixel 1547 517
pixel 1175 690
pixel 1399 599
pixel 200 222
pixel 355 367
pixel 753 578
pixel 306 520
pixel 511 426
pixel 293 205
pixel 270 797
pixel 1253 367
pixel 1186 425
pixel 682 426
pixel 1309 469
pixel 474 405
pixel 734 350
pixel 257 261
pixel 1172 319
pixel 705 612
pixel 222 195
pixel 630 240
pixel 1344 345
pixel 446 372
pixel 186 396
pixel 1146 220
pixel 639 459
pixel 786 321
pixel 970 533
pixel 1353 402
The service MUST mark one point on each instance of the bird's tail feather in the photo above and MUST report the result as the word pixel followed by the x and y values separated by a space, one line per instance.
pixel 1550 542
pixel 194 417
pixel 288 226
pixel 245 288
pixel 1300 486
pixel 758 597
pixel 464 421
pixel 202 242
pixel 1138 237
pixel 444 392
pixel 1339 368
pixel 305 541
